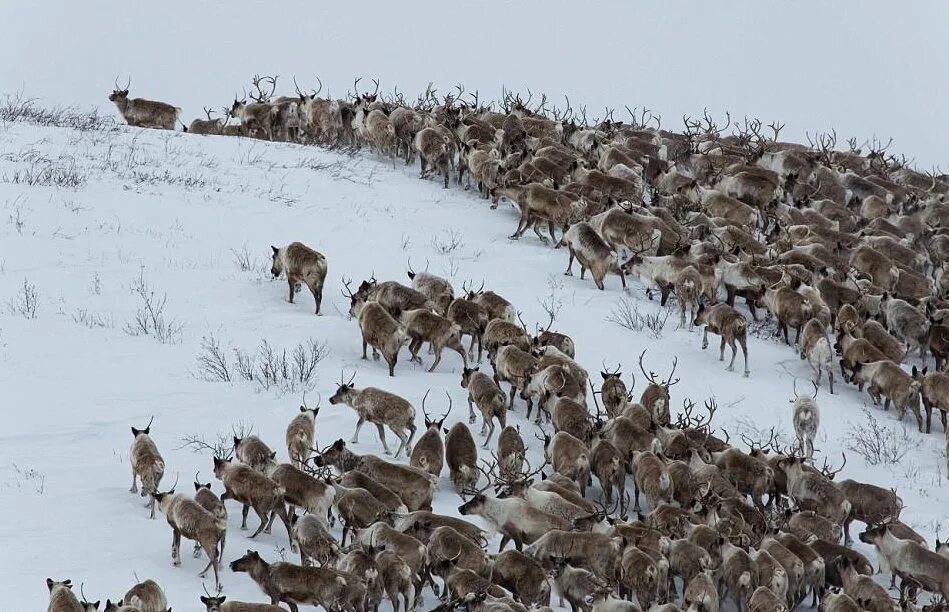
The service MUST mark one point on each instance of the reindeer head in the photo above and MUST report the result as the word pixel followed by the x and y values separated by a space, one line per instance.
pixel 345 392
pixel 120 95
pixel 436 423
pixel 198 485
pixel 248 562
pixel 276 262
pixel 213 604
pixel 332 455
pixel 138 432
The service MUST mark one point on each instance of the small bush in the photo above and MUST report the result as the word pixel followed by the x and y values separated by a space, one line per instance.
pixel 25 302
pixel 93 320
pixel 61 173
pixel 878 444
pixel 626 314
pixel 448 242
pixel 268 368
pixel 150 317
pixel 17 107
pixel 222 446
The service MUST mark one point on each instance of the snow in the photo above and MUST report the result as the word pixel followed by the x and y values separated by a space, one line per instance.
pixel 172 209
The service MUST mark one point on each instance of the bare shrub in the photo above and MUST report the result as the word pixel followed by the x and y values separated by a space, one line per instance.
pixel 447 242
pixel 212 361
pixel 286 371
pixel 17 107
pixel 25 302
pixel 150 317
pixel 244 260
pixel 878 444
pixel 222 446
pixel 61 172
pixel 93 320
pixel 553 303
pixel 627 315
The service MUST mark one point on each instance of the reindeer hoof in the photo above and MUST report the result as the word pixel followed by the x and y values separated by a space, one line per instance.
pixel 704 345
pixel 375 357
pixel 472 420
pixel 747 373
pixel 133 490
pixel 267 531
pixel 196 554
pixel 176 563
pixel 243 527
pixel 729 369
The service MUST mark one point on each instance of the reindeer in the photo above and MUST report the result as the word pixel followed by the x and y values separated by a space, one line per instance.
pixel 472 319
pixel 484 393
pixel 806 420
pixel 146 596
pixel 494 305
pixel 293 584
pixel 254 452
pixel 384 494
pixel 435 288
pixel 872 596
pixel 219 603
pixel 934 390
pixel 423 325
pixel 763 599
pixel 61 597
pixel 523 576
pixel 256 117
pixel 380 536
pixel 147 464
pixel 513 517
pixel 906 323
pixel 651 476
pixel 301 434
pixel 379 330
pixel 300 489
pixel 253 490
pixel 461 454
pixel 139 112
pixel 813 491
pixel 701 592
pixel 577 586
pixel 511 452
pixel 429 451
pixel 206 498
pixel 435 150
pixel 789 307
pixel 396 579
pixel 189 519
pixel 541 203
pixel 815 347
pixel 414 486
pixel 302 265
pixel 380 408
pixel 888 381
pixel 728 323
pixel 206 127
pixel 642 575
pixel 592 252
pixel 314 542
pixel 739 574
pixel 877 335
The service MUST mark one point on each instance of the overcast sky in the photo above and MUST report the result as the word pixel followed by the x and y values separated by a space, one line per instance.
pixel 864 68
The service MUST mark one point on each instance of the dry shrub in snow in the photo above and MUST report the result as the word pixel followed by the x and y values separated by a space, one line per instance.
pixel 25 302
pixel 150 317
pixel 626 314
pixel 878 444
pixel 285 370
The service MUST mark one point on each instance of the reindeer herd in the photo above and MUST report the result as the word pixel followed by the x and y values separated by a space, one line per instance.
pixel 849 250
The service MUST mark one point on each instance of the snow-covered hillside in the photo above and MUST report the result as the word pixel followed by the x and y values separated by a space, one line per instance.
pixel 93 220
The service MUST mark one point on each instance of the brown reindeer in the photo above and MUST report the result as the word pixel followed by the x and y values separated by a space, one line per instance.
pixel 429 451
pixel 147 465
pixel 146 596
pixel 139 112
pixel 592 252
pixel 422 325
pixel 253 490
pixel 484 393
pixel 301 434
pixel 303 265
pixel 461 455
pixel 381 408
pixel 728 323
pixel 379 330
pixel 61 597
pixel 890 382
pixel 189 519
pixel 293 584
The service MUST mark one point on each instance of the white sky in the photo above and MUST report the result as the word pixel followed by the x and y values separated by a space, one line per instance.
pixel 865 68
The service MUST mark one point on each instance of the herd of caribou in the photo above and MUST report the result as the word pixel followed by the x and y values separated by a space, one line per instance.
pixel 834 244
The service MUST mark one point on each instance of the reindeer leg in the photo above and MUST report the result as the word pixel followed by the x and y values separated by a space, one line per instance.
pixel 175 547
pixel 269 527
pixel 721 353
pixel 134 488
pixel 392 361
pixel 244 512
pixel 263 523
pixel 355 438
pixel 472 418
pixel 403 442
pixel 490 433
pixel 553 237
pixel 569 270
pixel 731 364
pixel 705 338
pixel 382 438
pixel 744 352
pixel 292 283
pixel 438 358
pixel 364 344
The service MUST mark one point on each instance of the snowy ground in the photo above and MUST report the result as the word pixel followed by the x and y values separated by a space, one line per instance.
pixel 177 211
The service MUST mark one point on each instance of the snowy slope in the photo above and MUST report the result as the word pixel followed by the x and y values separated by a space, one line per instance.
pixel 172 209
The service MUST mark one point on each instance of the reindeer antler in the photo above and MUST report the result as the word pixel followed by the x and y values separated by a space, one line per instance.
pixel 651 376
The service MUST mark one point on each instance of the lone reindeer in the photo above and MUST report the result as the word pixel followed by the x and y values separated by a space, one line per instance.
pixel 139 112
pixel 380 408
